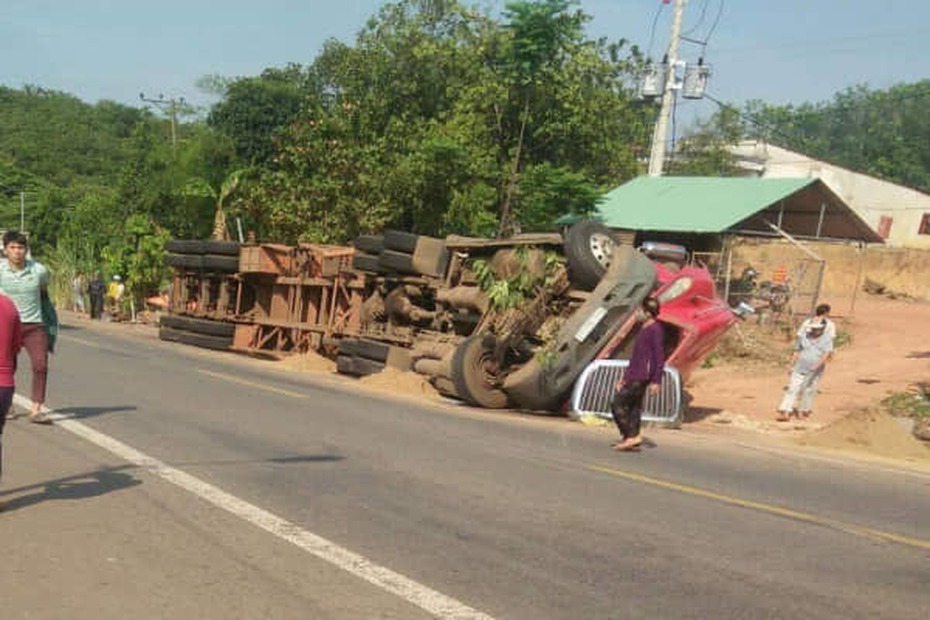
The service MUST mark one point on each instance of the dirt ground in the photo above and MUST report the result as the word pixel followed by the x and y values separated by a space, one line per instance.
pixel 888 352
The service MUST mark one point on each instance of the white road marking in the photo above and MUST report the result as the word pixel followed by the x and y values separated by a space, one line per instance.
pixel 436 603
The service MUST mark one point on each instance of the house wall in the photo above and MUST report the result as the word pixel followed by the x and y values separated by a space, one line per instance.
pixel 873 199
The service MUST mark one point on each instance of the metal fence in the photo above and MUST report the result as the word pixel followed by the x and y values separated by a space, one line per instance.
pixel 596 386
pixel 787 278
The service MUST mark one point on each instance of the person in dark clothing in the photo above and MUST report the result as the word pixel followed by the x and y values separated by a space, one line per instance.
pixel 644 373
pixel 97 289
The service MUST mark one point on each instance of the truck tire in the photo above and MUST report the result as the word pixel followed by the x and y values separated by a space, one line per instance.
pixel 357 366
pixel 369 244
pixel 204 341
pixel 185 246
pixel 400 241
pixel 185 261
pixel 368 349
pixel 198 326
pixel 473 374
pixel 391 260
pixel 221 263
pixel 221 248
pixel 366 262
pixel 589 246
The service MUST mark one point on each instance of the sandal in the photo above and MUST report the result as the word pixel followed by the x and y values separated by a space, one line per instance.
pixel 782 417
pixel 40 418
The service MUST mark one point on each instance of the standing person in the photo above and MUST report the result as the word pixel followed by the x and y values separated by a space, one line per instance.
pixel 77 293
pixel 97 289
pixel 644 372
pixel 24 281
pixel 805 370
pixel 115 295
pixel 11 337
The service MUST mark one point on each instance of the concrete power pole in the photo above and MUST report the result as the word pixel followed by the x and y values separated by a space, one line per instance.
pixel 170 106
pixel 660 135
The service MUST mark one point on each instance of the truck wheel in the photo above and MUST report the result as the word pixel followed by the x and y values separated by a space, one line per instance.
pixel 369 244
pixel 221 263
pixel 187 261
pixel 357 366
pixel 474 374
pixel 400 241
pixel 391 260
pixel 589 246
pixel 198 326
pixel 365 262
pixel 222 248
pixel 368 349
pixel 217 343
pixel 185 246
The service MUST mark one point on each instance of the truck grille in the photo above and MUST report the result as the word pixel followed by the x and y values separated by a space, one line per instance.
pixel 596 386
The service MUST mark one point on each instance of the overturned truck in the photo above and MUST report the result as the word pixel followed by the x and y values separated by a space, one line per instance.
pixel 496 323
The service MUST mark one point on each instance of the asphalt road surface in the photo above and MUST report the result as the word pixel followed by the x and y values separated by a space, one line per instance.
pixel 212 486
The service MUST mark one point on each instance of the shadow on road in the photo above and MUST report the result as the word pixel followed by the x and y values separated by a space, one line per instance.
pixel 310 458
pixel 277 460
pixel 89 412
pixel 78 486
pixel 918 355
pixel 696 414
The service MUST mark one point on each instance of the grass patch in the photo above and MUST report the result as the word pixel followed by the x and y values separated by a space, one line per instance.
pixel 908 404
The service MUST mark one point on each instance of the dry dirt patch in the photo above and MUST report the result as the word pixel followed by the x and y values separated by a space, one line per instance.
pixel 888 352
pixel 309 362
pixel 395 381
pixel 872 431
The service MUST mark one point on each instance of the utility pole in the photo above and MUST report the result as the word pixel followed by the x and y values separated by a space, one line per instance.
pixel 660 135
pixel 171 105
pixel 22 211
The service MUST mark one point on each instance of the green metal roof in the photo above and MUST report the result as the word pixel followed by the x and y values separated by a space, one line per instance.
pixel 691 204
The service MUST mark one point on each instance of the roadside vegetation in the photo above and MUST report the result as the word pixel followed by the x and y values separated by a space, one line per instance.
pixel 436 119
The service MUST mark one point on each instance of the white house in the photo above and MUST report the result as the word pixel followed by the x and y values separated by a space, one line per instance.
pixel 899 215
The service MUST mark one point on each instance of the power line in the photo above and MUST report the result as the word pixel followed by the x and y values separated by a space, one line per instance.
pixel 652 32
pixel 801 140
pixel 699 21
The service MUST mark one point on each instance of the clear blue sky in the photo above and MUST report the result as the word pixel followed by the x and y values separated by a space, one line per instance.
pixel 782 51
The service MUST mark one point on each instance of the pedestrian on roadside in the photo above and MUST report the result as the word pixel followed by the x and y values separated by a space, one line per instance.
pixel 821 312
pixel 647 365
pixel 11 338
pixel 96 290
pixel 805 371
pixel 115 295
pixel 77 293
pixel 25 281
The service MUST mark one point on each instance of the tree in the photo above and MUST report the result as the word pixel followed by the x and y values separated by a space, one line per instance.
pixel 255 109
pixel 885 133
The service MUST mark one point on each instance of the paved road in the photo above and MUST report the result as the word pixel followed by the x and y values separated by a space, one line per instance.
pixel 456 512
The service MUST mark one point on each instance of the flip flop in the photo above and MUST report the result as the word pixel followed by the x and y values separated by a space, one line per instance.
pixel 782 417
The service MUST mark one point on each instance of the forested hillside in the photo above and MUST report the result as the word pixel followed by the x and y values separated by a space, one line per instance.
pixel 436 119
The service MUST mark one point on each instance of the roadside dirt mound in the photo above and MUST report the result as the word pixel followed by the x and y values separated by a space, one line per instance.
pixel 869 430
pixel 309 362
pixel 400 382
